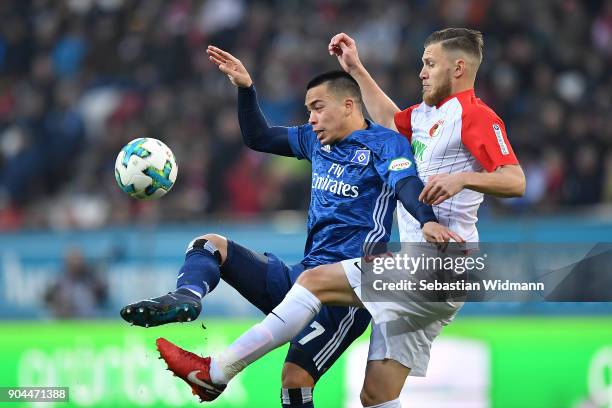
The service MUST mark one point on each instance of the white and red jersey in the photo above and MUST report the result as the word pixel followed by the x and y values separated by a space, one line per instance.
pixel 461 134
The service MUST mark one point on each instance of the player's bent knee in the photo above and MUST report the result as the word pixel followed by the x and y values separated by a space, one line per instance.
pixel 329 284
pixel 219 241
pixel 366 399
pixel 383 382
pixel 375 392
pixel 294 376
pixel 313 279
pixel 370 396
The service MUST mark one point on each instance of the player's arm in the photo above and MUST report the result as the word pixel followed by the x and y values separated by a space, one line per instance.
pixel 254 128
pixel 256 132
pixel 505 181
pixel 379 105
pixel 407 191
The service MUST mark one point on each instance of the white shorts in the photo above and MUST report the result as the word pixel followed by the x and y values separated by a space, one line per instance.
pixel 402 331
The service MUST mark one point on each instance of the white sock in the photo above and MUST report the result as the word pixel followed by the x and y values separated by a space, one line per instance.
pixel 389 404
pixel 286 321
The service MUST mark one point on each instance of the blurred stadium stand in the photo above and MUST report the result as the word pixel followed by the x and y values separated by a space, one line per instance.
pixel 80 78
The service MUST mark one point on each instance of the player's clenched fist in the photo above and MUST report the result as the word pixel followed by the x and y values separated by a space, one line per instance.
pixel 230 65
pixel 345 48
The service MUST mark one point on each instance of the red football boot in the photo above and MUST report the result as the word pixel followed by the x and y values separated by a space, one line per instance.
pixel 191 368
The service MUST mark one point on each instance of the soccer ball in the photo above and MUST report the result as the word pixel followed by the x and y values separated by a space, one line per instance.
pixel 145 168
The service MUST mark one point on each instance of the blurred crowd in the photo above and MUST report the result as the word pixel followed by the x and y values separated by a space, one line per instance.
pixel 79 291
pixel 80 78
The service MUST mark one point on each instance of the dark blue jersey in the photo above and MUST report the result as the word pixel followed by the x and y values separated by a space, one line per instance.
pixel 352 198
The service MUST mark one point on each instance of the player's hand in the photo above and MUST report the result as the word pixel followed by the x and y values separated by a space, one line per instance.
pixel 230 66
pixel 434 232
pixel 441 187
pixel 345 49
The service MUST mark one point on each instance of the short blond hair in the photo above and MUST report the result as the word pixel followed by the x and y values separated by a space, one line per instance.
pixel 458 39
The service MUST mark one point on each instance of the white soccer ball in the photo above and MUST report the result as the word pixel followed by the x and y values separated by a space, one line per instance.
pixel 145 168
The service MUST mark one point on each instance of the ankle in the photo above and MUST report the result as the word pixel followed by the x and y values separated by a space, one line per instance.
pixel 189 293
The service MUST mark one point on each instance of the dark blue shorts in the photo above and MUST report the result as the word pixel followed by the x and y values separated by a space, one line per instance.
pixel 264 280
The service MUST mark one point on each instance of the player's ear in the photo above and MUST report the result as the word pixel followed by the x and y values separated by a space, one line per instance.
pixel 459 68
pixel 349 105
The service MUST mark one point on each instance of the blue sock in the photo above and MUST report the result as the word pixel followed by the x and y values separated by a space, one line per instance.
pixel 297 397
pixel 200 273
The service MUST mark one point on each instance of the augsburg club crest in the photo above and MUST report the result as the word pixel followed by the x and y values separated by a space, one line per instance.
pixel 435 129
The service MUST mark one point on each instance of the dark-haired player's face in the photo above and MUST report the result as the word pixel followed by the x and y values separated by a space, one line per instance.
pixel 435 75
pixel 327 114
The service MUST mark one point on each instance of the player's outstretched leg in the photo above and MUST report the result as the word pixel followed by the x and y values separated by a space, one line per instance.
pixel 326 283
pixel 198 276
pixel 192 369
pixel 208 377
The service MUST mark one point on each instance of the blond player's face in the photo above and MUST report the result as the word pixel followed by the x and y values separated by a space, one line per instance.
pixel 327 114
pixel 435 75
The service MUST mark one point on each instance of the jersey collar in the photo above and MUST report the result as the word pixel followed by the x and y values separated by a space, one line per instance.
pixel 468 93
pixel 359 131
